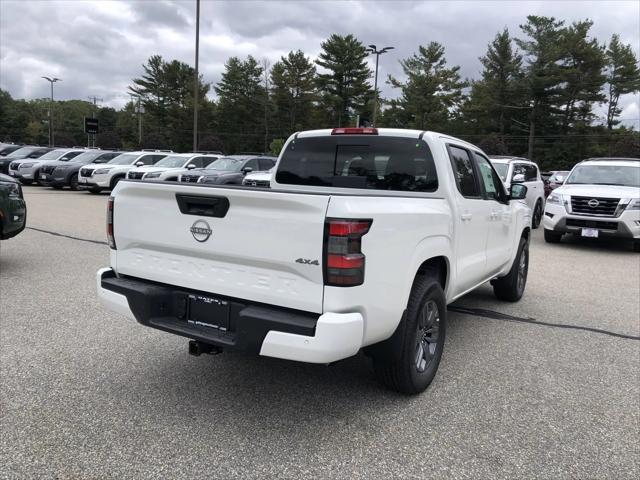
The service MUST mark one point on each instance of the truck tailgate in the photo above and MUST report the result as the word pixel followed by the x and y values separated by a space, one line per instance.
pixel 251 251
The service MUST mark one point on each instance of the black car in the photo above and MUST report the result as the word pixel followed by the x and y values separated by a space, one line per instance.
pixel 228 170
pixel 20 154
pixel 13 209
pixel 65 174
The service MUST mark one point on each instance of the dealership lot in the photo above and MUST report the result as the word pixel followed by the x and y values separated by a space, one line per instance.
pixel 86 393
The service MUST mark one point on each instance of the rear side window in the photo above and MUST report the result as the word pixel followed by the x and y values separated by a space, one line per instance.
pixel 359 161
pixel 463 172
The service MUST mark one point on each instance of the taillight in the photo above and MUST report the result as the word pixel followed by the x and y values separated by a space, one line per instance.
pixel 354 131
pixel 110 237
pixel 343 257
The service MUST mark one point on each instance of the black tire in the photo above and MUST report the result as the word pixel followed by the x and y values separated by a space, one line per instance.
pixel 552 237
pixel 95 189
pixel 411 369
pixel 511 287
pixel 537 215
pixel 636 245
pixel 114 181
pixel 73 182
pixel 56 187
pixel 26 182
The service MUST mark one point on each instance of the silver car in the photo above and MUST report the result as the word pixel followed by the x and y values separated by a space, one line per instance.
pixel 27 171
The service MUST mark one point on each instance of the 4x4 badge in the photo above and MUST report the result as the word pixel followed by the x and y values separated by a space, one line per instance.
pixel 201 231
pixel 307 261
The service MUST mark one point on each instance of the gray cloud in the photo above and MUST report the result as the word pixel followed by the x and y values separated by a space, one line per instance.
pixel 97 47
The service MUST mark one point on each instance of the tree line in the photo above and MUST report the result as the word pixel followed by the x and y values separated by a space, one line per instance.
pixel 535 97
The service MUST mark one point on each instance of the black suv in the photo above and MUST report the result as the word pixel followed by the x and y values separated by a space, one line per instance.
pixel 13 209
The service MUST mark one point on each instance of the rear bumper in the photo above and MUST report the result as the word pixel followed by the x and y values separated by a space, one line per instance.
pixel 265 329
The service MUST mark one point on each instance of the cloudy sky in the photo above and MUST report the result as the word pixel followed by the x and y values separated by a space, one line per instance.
pixel 96 47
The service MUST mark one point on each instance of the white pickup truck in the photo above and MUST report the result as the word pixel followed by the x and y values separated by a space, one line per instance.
pixel 364 238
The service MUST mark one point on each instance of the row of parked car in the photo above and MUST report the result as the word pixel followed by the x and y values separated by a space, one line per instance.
pixel 97 170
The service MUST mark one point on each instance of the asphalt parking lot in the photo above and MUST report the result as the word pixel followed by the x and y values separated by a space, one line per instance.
pixel 88 394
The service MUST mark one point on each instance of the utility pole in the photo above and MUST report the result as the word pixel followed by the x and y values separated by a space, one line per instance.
pixel 95 113
pixel 196 83
pixel 265 67
pixel 373 50
pixel 51 134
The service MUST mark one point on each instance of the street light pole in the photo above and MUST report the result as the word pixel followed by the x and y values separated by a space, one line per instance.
pixel 196 82
pixel 373 50
pixel 51 81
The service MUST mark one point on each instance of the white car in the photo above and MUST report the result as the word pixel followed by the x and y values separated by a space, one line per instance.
pixel 365 237
pixel 258 179
pixel 105 176
pixel 599 198
pixel 27 170
pixel 520 170
pixel 170 166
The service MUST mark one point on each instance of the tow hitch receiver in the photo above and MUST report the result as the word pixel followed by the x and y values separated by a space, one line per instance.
pixel 198 348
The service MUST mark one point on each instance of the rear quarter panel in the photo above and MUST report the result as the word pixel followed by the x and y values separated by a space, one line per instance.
pixel 405 231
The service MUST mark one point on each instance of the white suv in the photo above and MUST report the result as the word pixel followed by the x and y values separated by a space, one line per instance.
pixel 170 166
pixel 521 170
pixel 600 198
pixel 105 176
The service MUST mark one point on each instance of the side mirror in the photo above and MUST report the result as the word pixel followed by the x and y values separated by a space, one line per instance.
pixel 246 170
pixel 139 164
pixel 518 191
pixel 191 166
pixel 519 178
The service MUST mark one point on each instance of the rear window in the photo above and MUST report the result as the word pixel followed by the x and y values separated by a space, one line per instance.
pixel 362 161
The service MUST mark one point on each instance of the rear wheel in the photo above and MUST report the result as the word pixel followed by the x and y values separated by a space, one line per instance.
pixel 511 286
pixel 73 182
pixel 636 245
pixel 26 182
pixel 552 237
pixel 537 215
pixel 421 343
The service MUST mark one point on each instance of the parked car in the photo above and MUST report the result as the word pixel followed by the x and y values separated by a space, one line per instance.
pixel 105 177
pixel 169 167
pixel 520 170
pixel 599 198
pixel 7 148
pixel 27 152
pixel 556 179
pixel 228 170
pixel 28 170
pixel 365 237
pixel 13 209
pixel 258 179
pixel 65 173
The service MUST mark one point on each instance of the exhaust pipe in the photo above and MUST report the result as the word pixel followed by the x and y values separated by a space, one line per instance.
pixel 198 348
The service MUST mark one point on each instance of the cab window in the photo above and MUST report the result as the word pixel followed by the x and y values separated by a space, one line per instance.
pixel 490 179
pixel 464 172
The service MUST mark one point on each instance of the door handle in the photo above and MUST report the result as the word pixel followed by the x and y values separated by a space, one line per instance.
pixel 466 217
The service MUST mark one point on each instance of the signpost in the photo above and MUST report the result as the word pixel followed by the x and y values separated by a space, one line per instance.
pixel 91 128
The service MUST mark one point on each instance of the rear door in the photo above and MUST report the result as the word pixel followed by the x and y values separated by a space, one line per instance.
pixel 185 236
pixel 472 222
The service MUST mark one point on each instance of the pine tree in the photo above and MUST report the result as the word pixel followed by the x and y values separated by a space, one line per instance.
pixel 293 91
pixel 344 89
pixel 622 76
pixel 431 92
pixel 241 97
